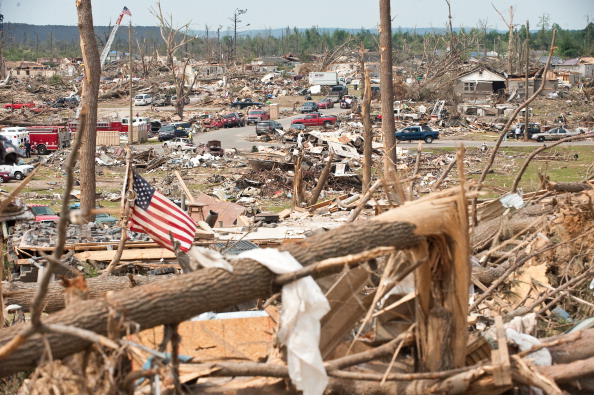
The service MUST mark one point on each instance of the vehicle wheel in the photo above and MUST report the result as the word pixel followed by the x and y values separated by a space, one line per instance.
pixel 326 124
pixel 165 146
pixel 42 149
pixel 178 148
pixel 428 139
pixel 17 175
pixel 540 139
pixel 1 180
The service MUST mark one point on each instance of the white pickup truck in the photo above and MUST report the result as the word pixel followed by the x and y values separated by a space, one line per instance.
pixel 18 171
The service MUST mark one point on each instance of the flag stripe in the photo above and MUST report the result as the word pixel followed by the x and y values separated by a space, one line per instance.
pixel 162 228
pixel 157 216
pixel 167 207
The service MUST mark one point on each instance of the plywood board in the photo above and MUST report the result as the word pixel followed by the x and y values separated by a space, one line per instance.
pixel 236 338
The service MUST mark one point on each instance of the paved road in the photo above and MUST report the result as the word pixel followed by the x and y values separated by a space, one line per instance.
pixel 236 137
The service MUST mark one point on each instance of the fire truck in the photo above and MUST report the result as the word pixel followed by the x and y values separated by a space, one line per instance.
pixel 120 126
pixel 45 139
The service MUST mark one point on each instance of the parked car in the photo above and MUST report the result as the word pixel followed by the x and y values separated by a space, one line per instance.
pixel 17 171
pixel 326 103
pixel 411 133
pixel 169 132
pixel 155 126
pixel 240 104
pixel 233 119
pixel 315 119
pixel 554 134
pixel 162 100
pixel 268 126
pixel 181 144
pixel 255 116
pixel 532 129
pixel 143 100
pixel 186 99
pixel 5 176
pixel 43 213
pixel 17 105
pixel 309 106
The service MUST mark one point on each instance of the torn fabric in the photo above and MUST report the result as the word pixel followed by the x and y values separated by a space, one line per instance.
pixel 304 305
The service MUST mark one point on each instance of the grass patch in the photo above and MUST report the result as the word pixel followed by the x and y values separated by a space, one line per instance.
pixel 558 163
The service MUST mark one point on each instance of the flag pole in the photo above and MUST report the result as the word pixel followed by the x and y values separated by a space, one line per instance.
pixel 127 196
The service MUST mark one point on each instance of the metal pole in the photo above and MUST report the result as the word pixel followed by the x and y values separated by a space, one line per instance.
pixel 130 121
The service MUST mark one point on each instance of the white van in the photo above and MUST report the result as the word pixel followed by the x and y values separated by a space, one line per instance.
pixel 143 100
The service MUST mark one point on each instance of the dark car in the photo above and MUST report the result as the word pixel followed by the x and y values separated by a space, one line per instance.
pixel 232 119
pixel 167 132
pixel 240 104
pixel 309 106
pixel 532 129
pixel 265 127
pixel 156 126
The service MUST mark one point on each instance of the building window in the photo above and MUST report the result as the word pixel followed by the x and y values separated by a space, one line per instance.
pixel 469 86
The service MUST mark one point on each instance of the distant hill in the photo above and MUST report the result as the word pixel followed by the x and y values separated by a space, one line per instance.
pixel 22 32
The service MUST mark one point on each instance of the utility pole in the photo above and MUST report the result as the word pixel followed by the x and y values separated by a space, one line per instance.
pixel 387 88
pixel 236 21
pixel 131 120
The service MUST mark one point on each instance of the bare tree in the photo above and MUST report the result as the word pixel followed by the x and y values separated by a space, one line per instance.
pixel 510 42
pixel 387 89
pixel 174 40
pixel 90 91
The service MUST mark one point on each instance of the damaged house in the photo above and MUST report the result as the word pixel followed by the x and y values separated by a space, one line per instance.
pixel 516 84
pixel 480 83
pixel 583 66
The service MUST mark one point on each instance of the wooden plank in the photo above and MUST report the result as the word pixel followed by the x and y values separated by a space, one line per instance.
pixel 184 186
pixel 127 255
pixel 326 202
pixel 500 357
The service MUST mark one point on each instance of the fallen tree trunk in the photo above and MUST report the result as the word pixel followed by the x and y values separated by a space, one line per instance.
pixel 22 293
pixel 485 231
pixel 180 298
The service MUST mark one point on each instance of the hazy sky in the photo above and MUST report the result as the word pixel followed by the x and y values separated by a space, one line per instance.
pixel 261 14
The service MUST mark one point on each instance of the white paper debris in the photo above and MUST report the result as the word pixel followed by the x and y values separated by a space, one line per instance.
pixel 304 305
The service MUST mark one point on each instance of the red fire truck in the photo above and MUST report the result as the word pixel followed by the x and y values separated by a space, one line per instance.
pixel 45 139
pixel 120 126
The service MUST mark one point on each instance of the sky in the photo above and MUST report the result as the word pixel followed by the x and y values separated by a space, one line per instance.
pixel 263 14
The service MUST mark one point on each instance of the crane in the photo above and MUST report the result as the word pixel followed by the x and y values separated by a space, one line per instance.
pixel 112 35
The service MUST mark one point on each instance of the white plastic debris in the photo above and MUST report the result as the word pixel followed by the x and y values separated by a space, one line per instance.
pixel 513 200
pixel 304 305
pixel 541 357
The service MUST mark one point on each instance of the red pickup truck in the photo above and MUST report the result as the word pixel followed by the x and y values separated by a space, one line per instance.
pixel 315 119
pixel 17 105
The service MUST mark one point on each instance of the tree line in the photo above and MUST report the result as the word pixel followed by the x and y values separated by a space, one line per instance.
pixel 214 46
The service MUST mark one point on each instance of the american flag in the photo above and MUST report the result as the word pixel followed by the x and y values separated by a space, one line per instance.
pixel 158 216
pixel 126 11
